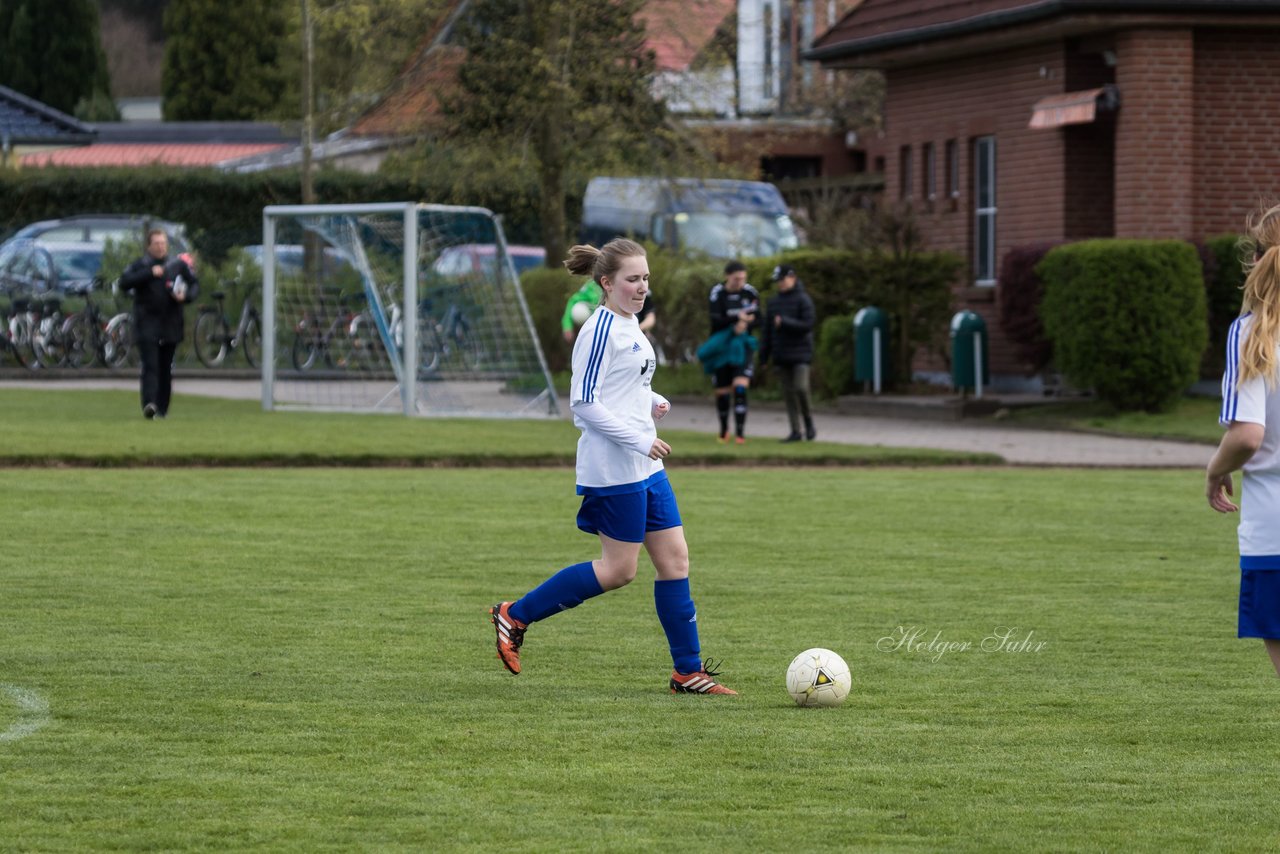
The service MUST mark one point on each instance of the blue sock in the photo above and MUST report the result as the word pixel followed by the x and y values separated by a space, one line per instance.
pixel 679 620
pixel 568 588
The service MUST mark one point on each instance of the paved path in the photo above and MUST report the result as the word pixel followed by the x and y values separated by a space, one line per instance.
pixel 1017 445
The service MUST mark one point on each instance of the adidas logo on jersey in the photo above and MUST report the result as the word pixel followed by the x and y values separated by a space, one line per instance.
pixel 635 348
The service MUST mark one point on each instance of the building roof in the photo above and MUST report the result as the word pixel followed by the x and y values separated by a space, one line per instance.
pixel 677 30
pixel 412 104
pixel 144 154
pixel 25 120
pixel 237 133
pixel 881 25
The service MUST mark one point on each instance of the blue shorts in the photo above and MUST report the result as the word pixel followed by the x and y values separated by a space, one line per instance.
pixel 1259 603
pixel 630 515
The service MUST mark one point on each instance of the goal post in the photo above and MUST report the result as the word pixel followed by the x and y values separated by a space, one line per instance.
pixel 397 307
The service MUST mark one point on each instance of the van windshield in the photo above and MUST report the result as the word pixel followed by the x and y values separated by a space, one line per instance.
pixel 733 235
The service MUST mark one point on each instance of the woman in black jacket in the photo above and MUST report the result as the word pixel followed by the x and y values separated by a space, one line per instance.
pixel 788 339
pixel 161 288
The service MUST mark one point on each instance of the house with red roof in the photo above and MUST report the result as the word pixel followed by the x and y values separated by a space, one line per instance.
pixel 1012 122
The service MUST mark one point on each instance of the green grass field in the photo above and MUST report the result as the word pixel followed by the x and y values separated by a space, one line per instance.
pixel 1194 419
pixel 300 660
pixel 105 428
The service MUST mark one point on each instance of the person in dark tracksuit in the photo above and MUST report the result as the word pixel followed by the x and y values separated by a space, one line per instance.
pixel 788 339
pixel 734 303
pixel 162 286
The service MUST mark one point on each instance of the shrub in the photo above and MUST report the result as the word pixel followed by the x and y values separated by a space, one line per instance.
pixel 546 290
pixel 1126 318
pixel 833 357
pixel 1019 298
pixel 1223 284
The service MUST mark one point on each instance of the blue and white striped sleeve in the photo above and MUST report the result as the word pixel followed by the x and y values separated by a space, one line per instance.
pixel 1245 401
pixel 591 356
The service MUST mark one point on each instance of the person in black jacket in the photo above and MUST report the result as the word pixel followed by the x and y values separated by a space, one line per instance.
pixel 734 303
pixel 161 287
pixel 788 339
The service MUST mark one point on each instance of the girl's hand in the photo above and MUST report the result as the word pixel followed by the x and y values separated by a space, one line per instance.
pixel 1217 488
pixel 660 409
pixel 659 450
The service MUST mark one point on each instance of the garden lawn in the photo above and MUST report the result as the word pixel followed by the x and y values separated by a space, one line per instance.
pixel 300 660
pixel 1194 419
pixel 105 428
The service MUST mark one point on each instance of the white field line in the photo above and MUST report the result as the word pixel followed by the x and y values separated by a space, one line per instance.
pixel 33 712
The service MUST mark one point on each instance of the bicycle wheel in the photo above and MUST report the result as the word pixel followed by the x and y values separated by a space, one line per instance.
pixel 367 352
pixel 251 342
pixel 466 344
pixel 48 343
pixel 22 337
pixel 81 345
pixel 429 349
pixel 307 350
pixel 211 339
pixel 120 350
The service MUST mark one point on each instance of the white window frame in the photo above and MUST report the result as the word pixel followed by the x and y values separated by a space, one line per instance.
pixel 984 154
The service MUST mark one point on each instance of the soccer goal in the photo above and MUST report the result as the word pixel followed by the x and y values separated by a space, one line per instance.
pixel 397 307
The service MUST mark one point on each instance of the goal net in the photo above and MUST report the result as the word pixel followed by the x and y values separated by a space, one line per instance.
pixel 398 307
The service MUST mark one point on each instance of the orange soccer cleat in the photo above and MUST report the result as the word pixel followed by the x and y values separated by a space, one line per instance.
pixel 699 682
pixel 510 636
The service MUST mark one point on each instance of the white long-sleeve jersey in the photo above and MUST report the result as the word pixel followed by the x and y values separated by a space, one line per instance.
pixel 613 404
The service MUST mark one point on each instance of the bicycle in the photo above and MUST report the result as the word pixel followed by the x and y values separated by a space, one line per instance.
pixel 335 340
pixel 50 340
pixel 214 339
pixel 452 338
pixel 93 338
pixel 13 332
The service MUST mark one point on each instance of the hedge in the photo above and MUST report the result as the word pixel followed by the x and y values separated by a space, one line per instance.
pixel 1126 318
pixel 1019 297
pixel 1224 283
pixel 222 209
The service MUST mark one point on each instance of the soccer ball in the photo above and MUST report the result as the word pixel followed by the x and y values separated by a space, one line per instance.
pixel 581 313
pixel 818 677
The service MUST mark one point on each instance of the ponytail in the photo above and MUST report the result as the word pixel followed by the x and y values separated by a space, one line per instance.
pixel 1262 300
pixel 586 260
pixel 582 261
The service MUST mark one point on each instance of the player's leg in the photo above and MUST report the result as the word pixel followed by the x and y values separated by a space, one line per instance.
pixel 787 379
pixel 801 379
pixel 741 382
pixel 619 520
pixel 164 383
pixel 723 381
pixel 665 543
pixel 149 359
pixel 1273 650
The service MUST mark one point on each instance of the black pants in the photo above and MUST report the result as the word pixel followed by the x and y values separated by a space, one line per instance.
pixel 157 373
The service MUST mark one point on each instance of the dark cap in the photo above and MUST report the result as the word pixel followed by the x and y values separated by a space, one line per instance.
pixel 781 271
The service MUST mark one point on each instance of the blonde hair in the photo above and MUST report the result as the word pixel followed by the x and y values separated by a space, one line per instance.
pixel 1261 250
pixel 586 260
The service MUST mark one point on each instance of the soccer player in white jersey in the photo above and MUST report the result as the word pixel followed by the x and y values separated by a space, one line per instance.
pixel 626 498
pixel 1251 412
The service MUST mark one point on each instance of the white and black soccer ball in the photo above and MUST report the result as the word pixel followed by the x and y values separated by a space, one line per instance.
pixel 581 312
pixel 818 677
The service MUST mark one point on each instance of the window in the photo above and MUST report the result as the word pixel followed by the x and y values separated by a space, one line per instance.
pixel 768 50
pixel 984 195
pixel 904 173
pixel 953 169
pixel 930 175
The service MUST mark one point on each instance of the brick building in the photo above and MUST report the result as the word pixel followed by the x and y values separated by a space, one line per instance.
pixel 1010 122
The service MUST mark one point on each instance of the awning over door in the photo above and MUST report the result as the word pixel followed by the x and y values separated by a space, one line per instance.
pixel 1072 108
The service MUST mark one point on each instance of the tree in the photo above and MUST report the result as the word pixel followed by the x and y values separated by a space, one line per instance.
pixel 52 51
pixel 222 59
pixel 563 83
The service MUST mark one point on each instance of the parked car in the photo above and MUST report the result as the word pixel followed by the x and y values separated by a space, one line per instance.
pixel 37 266
pixel 289 258
pixel 481 259
pixel 717 217
pixel 99 228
